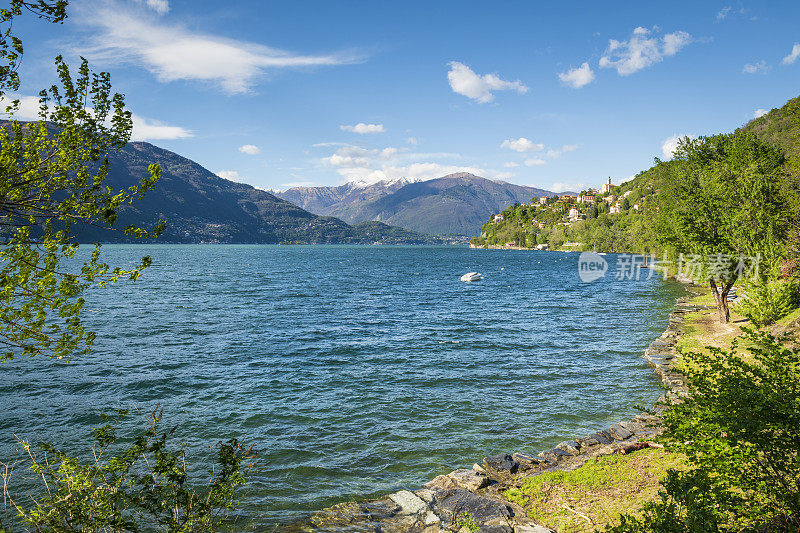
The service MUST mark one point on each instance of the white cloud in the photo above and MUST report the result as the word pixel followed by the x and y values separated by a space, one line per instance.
pixel 28 107
pixel 760 112
pixel 145 129
pixel 670 144
pixel 723 12
pixel 159 6
pixel 250 149
pixel 510 164
pixel 564 187
pixel 554 153
pixel 175 53
pixel 577 77
pixel 793 55
pixel 363 128
pixel 412 140
pixel 522 145
pixel 464 81
pixel 756 68
pixel 370 165
pixel 642 50
pixel 230 175
pixel 535 162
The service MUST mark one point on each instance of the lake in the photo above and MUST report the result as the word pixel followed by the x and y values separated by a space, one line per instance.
pixel 355 370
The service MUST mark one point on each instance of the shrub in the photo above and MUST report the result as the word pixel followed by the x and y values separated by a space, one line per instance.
pixel 767 302
pixel 740 430
pixel 142 486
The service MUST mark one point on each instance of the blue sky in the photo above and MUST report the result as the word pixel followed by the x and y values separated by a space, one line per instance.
pixel 556 95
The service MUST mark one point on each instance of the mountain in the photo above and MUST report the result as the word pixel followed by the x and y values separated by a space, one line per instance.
pixel 456 204
pixel 199 206
pixel 780 126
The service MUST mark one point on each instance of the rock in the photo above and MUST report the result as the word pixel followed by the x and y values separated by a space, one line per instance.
pixel 569 446
pixel 440 482
pixel 532 529
pixel 501 462
pixel 468 479
pixel 425 494
pixel 603 437
pixel 619 432
pixel 454 502
pixel 478 468
pixel 431 519
pixel 588 441
pixel 523 458
pixel 409 502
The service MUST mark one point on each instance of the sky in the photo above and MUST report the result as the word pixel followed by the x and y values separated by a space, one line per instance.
pixel 556 95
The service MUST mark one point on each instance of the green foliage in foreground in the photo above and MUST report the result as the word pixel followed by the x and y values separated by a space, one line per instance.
pixel 767 302
pixel 51 187
pixel 140 486
pixel 740 430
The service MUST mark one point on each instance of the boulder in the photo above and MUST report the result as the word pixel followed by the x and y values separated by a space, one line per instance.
pixel 440 482
pixel 620 432
pixel 532 529
pixel 469 479
pixel 502 462
pixel 409 502
pixel 454 502
pixel 569 446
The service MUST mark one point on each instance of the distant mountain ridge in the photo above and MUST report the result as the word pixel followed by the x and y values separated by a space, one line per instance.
pixel 456 204
pixel 201 207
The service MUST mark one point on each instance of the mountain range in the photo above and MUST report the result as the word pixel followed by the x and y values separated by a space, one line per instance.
pixel 456 204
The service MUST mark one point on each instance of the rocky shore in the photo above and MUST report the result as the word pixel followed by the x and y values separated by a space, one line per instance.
pixel 471 499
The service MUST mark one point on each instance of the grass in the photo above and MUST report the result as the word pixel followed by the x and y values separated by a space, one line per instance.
pixel 703 328
pixel 594 495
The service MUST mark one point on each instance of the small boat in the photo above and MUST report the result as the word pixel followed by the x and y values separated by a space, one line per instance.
pixel 472 276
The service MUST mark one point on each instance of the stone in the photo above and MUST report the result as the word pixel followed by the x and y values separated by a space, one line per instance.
pixel 525 458
pixel 440 482
pixel 604 437
pixel 454 502
pixel 619 432
pixel 588 441
pixel 501 462
pixel 425 494
pixel 569 446
pixel 560 452
pixel 409 502
pixel 532 529
pixel 478 468
pixel 469 479
pixel 431 519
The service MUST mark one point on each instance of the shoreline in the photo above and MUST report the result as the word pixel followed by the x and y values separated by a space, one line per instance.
pixel 439 505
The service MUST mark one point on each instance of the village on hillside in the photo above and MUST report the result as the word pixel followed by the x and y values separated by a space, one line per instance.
pixel 565 221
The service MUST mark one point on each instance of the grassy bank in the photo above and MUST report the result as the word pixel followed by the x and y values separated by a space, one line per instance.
pixel 592 497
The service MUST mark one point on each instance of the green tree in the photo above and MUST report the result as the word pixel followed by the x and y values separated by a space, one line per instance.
pixel 51 185
pixel 720 200
pixel 739 428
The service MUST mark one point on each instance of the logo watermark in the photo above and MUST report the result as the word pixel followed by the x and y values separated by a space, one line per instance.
pixel 591 266
pixel 693 268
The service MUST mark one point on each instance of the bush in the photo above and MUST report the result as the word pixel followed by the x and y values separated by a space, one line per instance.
pixel 143 486
pixel 767 302
pixel 740 430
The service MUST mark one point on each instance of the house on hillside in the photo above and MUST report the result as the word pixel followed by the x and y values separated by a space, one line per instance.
pixel 586 198
pixel 543 200
pixel 607 187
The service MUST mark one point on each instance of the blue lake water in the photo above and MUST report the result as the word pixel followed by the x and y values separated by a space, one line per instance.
pixel 354 370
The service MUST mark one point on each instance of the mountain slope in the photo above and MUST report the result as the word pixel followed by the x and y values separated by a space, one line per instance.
pixel 199 206
pixel 456 204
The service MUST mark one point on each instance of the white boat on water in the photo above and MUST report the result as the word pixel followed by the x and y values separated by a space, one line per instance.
pixel 472 276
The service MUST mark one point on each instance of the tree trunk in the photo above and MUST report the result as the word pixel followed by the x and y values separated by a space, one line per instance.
pixel 721 298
